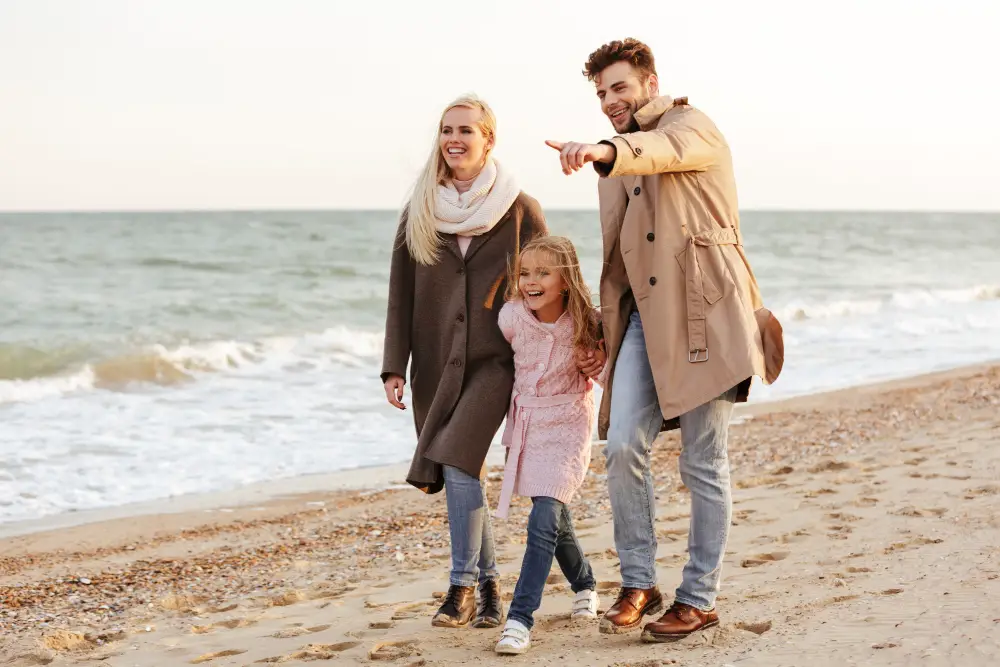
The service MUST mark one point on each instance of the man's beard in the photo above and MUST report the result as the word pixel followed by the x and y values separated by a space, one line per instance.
pixel 633 124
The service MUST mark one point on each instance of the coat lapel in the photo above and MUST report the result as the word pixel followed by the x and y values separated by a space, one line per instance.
pixel 479 241
pixel 450 242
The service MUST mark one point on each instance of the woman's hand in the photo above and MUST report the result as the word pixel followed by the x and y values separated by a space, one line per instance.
pixel 394 391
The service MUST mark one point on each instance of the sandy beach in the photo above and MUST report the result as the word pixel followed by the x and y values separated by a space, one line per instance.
pixel 866 531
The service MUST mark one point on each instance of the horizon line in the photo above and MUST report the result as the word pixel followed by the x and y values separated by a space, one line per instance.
pixel 41 211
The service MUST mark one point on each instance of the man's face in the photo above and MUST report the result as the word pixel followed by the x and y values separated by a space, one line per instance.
pixel 622 92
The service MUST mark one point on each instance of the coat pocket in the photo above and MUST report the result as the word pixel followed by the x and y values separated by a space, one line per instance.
pixel 715 279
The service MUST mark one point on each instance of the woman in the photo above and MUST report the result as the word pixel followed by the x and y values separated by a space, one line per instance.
pixel 465 221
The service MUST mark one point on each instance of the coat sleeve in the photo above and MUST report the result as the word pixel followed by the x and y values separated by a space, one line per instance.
pixel 506 322
pixel 399 312
pixel 532 220
pixel 602 377
pixel 689 143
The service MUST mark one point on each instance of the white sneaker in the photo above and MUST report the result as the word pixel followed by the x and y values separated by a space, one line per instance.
pixel 515 639
pixel 585 605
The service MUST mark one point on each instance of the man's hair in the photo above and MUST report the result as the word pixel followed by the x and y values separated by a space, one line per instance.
pixel 628 50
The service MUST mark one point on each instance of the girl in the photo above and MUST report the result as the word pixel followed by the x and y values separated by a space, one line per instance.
pixel 465 218
pixel 549 322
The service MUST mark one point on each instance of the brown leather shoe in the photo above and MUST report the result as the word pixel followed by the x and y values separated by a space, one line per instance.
pixel 458 609
pixel 626 613
pixel 678 622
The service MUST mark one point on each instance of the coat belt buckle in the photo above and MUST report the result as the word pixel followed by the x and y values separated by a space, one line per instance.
pixel 694 356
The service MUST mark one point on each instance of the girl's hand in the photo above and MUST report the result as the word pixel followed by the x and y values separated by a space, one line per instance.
pixel 591 362
pixel 394 391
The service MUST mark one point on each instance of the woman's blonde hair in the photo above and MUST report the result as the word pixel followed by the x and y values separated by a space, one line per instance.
pixel 586 325
pixel 421 225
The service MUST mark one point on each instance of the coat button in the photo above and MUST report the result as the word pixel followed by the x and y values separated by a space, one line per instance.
pixel 456 363
pixel 650 236
pixel 638 151
pixel 461 270
pixel 461 317
pixel 652 281
pixel 637 190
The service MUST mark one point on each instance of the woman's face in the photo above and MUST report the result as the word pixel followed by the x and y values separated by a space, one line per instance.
pixel 462 142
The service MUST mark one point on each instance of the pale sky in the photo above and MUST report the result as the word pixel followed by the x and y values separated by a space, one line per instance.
pixel 219 104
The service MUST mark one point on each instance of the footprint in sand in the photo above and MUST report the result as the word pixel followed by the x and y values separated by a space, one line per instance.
pixel 285 599
pixel 763 559
pixel 987 490
pixel 209 657
pixel 555 621
pixel 182 603
pixel 831 466
pixel 819 492
pixel 312 652
pixel 298 631
pixel 229 624
pixel 866 502
pixel 798 536
pixel 838 532
pixel 916 512
pixel 672 534
pixel 843 516
pixel 756 627
pixel 394 650
pixel 912 544
pixel 31 660
pixel 413 609
pixel 327 592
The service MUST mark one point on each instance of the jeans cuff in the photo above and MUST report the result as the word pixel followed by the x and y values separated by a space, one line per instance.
pixel 464 583
pixel 526 622
pixel 684 599
pixel 641 586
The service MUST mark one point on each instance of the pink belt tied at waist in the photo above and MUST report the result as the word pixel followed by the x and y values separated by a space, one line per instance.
pixel 513 437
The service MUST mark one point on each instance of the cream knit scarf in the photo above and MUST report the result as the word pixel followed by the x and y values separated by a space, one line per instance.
pixel 479 210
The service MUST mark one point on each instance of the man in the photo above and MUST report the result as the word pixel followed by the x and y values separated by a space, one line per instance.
pixel 684 327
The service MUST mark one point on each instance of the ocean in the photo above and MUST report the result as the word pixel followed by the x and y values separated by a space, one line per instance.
pixel 148 355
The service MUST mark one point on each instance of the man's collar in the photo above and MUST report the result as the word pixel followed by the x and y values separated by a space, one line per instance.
pixel 648 116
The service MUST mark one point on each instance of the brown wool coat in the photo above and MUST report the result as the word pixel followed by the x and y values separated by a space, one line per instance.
pixel 673 248
pixel 444 317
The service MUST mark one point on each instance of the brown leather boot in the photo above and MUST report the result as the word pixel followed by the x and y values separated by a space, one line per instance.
pixel 678 622
pixel 490 611
pixel 458 609
pixel 626 613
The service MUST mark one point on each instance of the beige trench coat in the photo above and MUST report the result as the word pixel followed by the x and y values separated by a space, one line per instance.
pixel 673 249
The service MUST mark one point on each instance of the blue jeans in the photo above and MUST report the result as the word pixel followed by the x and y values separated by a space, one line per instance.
pixel 550 535
pixel 704 468
pixel 473 557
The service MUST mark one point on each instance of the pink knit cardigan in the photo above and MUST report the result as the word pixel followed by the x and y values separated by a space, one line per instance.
pixel 551 419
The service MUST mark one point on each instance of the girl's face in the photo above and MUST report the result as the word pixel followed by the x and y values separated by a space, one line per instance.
pixel 463 145
pixel 541 285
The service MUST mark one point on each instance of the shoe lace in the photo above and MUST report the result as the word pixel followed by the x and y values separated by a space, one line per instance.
pixel 451 598
pixel 489 592
pixel 681 611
